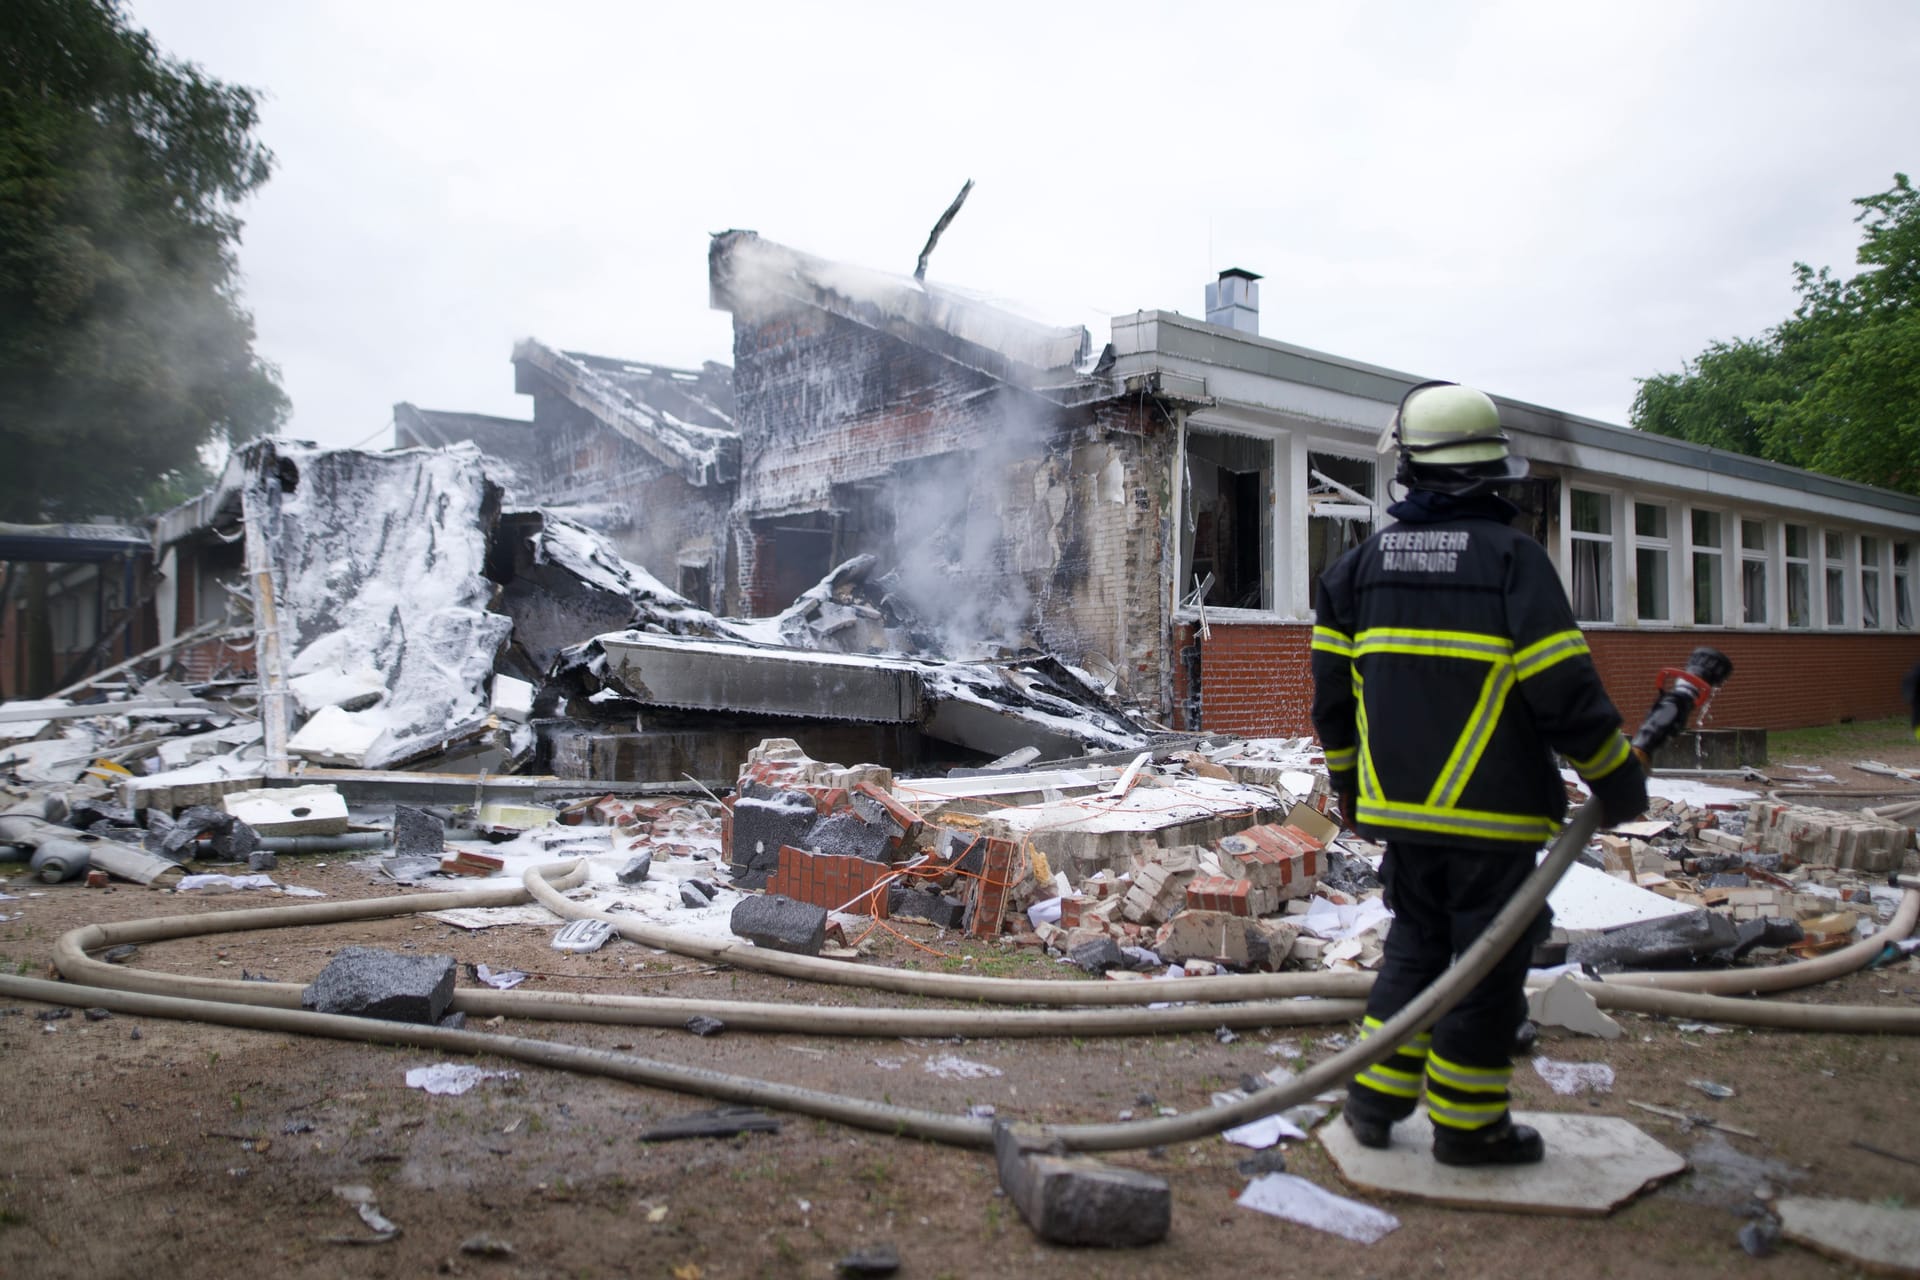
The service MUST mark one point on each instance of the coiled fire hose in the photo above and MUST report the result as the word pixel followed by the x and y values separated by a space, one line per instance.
pixel 263 1005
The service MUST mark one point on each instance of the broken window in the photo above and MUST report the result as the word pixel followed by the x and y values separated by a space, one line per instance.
pixel 790 554
pixel 1339 512
pixel 1592 530
pixel 1227 539
pixel 696 584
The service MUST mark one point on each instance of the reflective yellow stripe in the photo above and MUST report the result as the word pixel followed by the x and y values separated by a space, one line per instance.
pixel 1473 823
pixel 1374 1078
pixel 1414 1044
pixel 1612 754
pixel 1369 780
pixel 1473 741
pixel 1434 644
pixel 1341 757
pixel 1469 1079
pixel 1455 1116
pixel 1541 654
pixel 1327 640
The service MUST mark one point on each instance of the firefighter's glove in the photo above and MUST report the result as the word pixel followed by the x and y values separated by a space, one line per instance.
pixel 1622 794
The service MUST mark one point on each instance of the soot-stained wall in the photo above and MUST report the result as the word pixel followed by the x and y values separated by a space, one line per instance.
pixel 1001 511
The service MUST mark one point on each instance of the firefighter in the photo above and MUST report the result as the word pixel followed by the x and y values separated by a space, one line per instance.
pixel 1447 671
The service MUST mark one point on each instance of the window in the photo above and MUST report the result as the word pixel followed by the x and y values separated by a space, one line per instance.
pixel 1799 577
pixel 1707 561
pixel 1228 533
pixel 1753 573
pixel 1870 583
pixel 1339 512
pixel 1903 585
pixel 1592 530
pixel 1650 561
pixel 1835 562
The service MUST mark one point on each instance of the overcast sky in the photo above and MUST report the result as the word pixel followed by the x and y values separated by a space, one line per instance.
pixel 1544 200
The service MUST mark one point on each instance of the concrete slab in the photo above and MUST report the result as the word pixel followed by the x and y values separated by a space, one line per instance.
pixel 1594 1165
pixel 718 675
pixel 1880 1238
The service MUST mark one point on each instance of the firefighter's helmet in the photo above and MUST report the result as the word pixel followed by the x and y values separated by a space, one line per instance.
pixel 1447 437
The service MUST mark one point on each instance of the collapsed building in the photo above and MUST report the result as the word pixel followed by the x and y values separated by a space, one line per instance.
pixel 1155 510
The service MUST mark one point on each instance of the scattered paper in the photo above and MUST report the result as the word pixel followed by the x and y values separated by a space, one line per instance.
pixel 225 884
pixel 1575 1077
pixel 1285 1195
pixel 453 1078
pixel 950 1066
pixel 505 980
pixel 1258 1134
pixel 1044 912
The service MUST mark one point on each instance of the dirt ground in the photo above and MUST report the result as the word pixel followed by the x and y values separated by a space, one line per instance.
pixel 142 1147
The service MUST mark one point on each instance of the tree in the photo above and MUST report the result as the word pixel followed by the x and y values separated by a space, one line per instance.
pixel 1833 388
pixel 124 346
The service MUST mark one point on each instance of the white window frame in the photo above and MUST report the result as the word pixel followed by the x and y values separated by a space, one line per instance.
pixel 1762 556
pixel 1871 551
pixel 1611 504
pixel 1664 545
pixel 1337 501
pixel 1835 569
pixel 1719 556
pixel 1816 586
pixel 1902 581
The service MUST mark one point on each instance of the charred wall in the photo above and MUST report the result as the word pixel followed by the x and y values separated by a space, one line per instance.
pixel 653 516
pixel 1006 517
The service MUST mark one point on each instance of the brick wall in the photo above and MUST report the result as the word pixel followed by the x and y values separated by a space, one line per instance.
pixel 1780 681
pixel 1255 678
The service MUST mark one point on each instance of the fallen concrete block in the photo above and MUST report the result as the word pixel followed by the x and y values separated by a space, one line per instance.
pixel 903 900
pixel 1277 937
pixel 290 811
pixel 366 982
pixel 1097 955
pixel 226 837
pixel 417 833
pixel 780 924
pixel 1675 942
pixel 1206 935
pixel 1562 1003
pixel 334 736
pixel 759 826
pixel 512 699
pixel 635 872
pixel 1080 1201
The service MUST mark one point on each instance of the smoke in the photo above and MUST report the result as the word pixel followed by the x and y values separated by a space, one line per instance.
pixel 953 520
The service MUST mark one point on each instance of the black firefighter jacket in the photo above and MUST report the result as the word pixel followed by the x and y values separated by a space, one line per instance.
pixel 1446 663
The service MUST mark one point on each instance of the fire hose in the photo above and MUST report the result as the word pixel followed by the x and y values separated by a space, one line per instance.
pixel 251 1004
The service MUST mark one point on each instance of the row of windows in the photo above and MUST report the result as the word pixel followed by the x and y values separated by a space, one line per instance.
pixel 1262 517
pixel 1719 568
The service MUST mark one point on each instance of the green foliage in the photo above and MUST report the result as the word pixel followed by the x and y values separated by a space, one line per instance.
pixel 1833 388
pixel 124 347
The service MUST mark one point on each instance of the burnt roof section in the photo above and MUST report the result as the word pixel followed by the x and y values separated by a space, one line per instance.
pixel 748 273
pixel 70 543
pixel 512 440
pixel 682 417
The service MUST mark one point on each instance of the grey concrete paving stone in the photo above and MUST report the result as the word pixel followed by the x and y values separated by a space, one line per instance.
pixel 1081 1201
pixel 367 982
pixel 1594 1165
pixel 780 923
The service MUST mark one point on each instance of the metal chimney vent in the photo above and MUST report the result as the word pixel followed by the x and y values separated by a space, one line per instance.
pixel 1234 301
